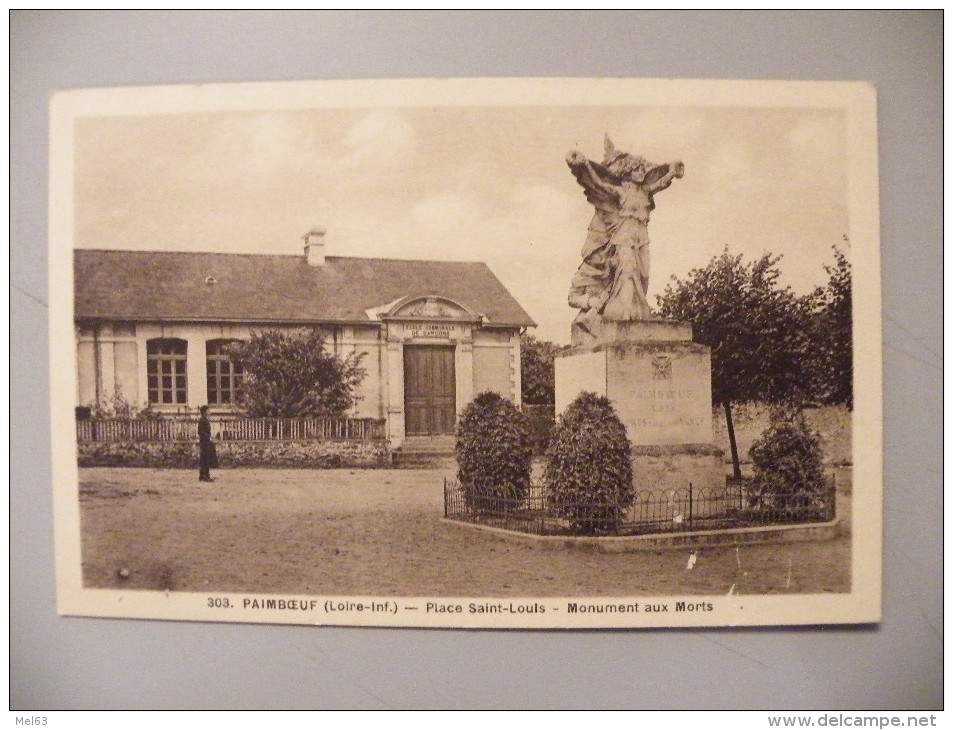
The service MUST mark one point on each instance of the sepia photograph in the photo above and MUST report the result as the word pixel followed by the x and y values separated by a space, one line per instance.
pixel 468 353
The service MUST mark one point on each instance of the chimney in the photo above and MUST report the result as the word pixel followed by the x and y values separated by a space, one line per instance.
pixel 314 246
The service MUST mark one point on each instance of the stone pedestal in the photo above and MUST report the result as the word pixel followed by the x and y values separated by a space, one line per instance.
pixel 659 383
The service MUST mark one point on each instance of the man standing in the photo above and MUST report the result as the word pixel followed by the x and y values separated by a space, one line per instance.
pixel 207 456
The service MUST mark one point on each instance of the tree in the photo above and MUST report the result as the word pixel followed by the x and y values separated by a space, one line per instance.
pixel 757 331
pixel 288 374
pixel 832 350
pixel 538 370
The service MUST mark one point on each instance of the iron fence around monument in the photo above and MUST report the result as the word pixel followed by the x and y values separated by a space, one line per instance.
pixel 652 511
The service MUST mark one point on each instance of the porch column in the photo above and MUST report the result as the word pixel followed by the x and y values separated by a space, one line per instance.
pixel 464 368
pixel 195 371
pixel 394 364
pixel 106 356
pixel 516 370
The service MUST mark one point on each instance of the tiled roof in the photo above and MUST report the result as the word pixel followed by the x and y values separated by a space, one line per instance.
pixel 165 285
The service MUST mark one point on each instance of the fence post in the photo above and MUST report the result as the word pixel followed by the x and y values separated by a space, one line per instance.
pixel 691 506
pixel 833 501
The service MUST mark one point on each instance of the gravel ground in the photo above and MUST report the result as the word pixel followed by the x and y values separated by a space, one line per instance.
pixel 378 532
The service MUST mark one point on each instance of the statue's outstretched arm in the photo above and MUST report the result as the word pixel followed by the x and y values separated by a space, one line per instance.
pixel 587 176
pixel 675 170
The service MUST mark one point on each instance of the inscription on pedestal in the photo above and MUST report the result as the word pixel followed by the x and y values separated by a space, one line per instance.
pixel 661 388
pixel 661 391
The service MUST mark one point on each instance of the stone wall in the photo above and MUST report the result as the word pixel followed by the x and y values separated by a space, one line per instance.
pixel 834 423
pixel 235 454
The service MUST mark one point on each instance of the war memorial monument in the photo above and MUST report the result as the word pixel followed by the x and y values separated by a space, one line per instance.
pixel 657 379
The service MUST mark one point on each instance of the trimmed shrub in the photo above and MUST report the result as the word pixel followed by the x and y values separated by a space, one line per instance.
pixel 589 474
pixel 493 450
pixel 788 468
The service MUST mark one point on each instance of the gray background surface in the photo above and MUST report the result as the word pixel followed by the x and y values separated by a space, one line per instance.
pixel 72 663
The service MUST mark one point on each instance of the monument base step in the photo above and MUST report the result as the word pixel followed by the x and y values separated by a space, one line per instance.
pixel 701 465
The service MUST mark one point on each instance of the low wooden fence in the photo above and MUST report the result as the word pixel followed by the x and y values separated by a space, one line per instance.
pixel 115 430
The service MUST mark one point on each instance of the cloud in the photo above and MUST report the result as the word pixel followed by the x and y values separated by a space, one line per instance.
pixel 261 147
pixel 381 137
pixel 275 139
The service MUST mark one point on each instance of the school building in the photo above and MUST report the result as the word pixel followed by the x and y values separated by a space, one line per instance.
pixel 153 326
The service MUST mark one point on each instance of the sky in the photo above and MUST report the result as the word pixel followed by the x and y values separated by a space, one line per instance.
pixel 480 182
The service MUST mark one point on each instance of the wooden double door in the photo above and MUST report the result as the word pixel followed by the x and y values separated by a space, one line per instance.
pixel 430 390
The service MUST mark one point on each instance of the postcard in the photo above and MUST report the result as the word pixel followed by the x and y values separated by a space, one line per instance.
pixel 467 353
